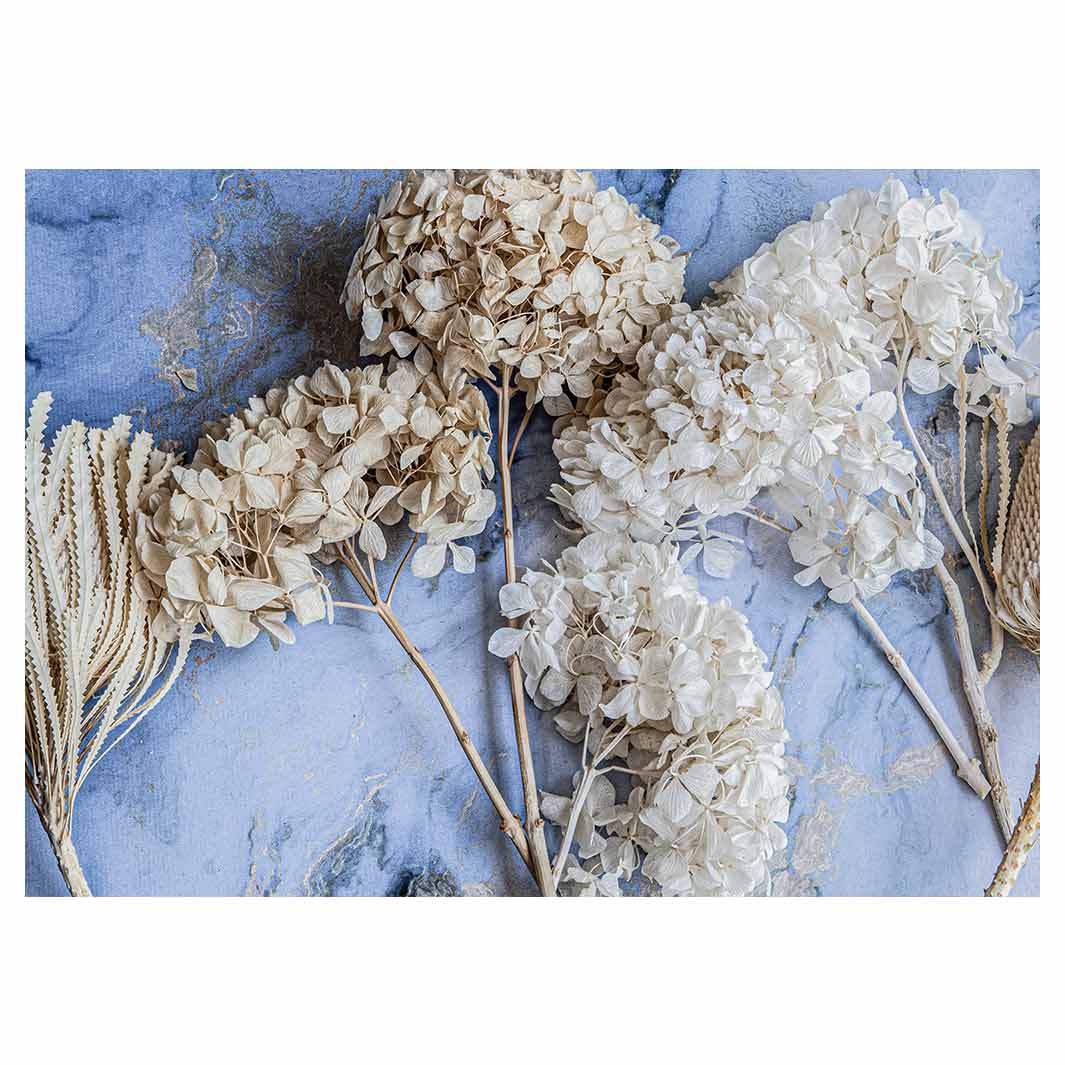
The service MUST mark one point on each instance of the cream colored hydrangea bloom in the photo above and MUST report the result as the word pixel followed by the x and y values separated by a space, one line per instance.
pixel 667 691
pixel 231 541
pixel 537 270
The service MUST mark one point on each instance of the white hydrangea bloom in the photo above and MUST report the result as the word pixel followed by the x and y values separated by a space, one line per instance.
pixel 785 381
pixel 914 268
pixel 671 691
pixel 735 398
pixel 229 542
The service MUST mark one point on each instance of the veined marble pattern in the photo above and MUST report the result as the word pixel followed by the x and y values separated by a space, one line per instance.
pixel 327 768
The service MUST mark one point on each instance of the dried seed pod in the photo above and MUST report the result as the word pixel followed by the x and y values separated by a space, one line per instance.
pixel 1018 582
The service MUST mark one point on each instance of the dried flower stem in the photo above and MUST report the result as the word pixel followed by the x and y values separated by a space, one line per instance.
pixel 974 686
pixel 579 798
pixel 975 779
pixel 69 866
pixel 522 426
pixel 937 488
pixel 583 791
pixel 534 823
pixel 509 822
pixel 968 768
pixel 974 680
pixel 1020 846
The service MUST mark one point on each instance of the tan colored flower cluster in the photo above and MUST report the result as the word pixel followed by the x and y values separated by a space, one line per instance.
pixel 535 270
pixel 229 541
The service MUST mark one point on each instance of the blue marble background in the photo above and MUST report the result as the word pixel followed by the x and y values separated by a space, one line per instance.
pixel 327 768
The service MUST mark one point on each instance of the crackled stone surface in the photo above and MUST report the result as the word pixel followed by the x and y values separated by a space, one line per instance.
pixel 327 768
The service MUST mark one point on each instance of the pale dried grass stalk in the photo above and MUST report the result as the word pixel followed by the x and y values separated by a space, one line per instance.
pixel 92 658
pixel 1020 846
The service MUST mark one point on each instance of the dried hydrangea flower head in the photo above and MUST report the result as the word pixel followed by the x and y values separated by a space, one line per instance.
pixel 231 542
pixel 913 269
pixel 791 378
pixel 670 689
pixel 737 397
pixel 536 270
pixel 93 655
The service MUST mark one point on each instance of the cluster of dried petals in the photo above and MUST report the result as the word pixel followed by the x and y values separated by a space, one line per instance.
pixel 786 381
pixel 914 269
pixel 534 270
pixel 231 541
pixel 761 391
pixel 674 689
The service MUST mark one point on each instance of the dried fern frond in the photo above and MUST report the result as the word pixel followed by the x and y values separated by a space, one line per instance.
pixel 1017 572
pixel 92 659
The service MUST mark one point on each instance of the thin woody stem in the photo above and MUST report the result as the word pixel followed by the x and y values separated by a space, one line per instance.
pixel 756 514
pixel 974 678
pixel 972 776
pixel 937 489
pixel 534 823
pixel 974 684
pixel 399 568
pixel 522 426
pixel 581 797
pixel 509 822
pixel 590 773
pixel 968 768
pixel 355 606
pixel 975 694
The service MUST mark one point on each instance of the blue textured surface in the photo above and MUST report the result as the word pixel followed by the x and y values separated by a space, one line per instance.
pixel 327 768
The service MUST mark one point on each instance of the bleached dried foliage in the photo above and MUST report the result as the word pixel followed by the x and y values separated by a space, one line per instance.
pixel 667 690
pixel 1017 562
pixel 535 270
pixel 317 465
pixel 93 654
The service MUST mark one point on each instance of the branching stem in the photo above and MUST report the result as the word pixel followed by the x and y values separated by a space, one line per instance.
pixel 522 426
pixel 399 568
pixel 975 694
pixel 509 822
pixel 534 823
pixel 968 768
pixel 974 679
pixel 581 797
